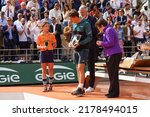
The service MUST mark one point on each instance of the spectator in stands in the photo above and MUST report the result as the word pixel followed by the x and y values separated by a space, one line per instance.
pixel 45 8
pixel 18 21
pixel 121 18
pixel 128 11
pixel 3 19
pixel 94 11
pixel 56 29
pixel 147 31
pixel 46 17
pixel 23 32
pixel 128 31
pixel 76 4
pixel 65 15
pixel 2 3
pixel 83 11
pixel 113 54
pixel 30 24
pixel 52 3
pixel 81 29
pixel 16 8
pixel 24 11
pixel 102 5
pixel 139 33
pixel 135 3
pixel 110 21
pixel 137 11
pixel 1 42
pixel 46 43
pixel 144 20
pixel 135 20
pixel 8 9
pixel 69 3
pixel 67 31
pixel 108 12
pixel 56 12
pixel 34 7
pixel 146 11
pixel 10 40
pixel 120 33
pixel 36 30
pixel 116 4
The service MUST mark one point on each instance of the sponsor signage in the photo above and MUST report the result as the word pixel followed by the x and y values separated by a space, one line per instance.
pixel 16 74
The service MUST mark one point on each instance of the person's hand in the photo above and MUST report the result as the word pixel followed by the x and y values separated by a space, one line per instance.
pixel 69 45
pixel 75 45
pixel 42 47
pixel 99 43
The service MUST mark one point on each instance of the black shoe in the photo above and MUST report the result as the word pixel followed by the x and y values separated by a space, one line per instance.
pixel 112 96
pixel 107 94
pixel 78 92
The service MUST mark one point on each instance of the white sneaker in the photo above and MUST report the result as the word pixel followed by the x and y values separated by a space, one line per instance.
pixel 89 89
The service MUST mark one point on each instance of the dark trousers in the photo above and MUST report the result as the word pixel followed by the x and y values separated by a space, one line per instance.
pixel 91 66
pixel 9 54
pixel 112 63
pixel 128 49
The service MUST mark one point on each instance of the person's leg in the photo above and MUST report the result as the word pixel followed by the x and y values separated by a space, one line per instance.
pixel 80 58
pixel 43 66
pixel 81 74
pixel 113 68
pixel 51 76
pixel 91 69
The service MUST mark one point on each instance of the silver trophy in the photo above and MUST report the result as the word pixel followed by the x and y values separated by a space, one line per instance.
pixel 75 40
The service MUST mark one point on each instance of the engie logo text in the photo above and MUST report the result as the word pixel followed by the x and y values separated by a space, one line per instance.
pixel 11 76
pixel 60 73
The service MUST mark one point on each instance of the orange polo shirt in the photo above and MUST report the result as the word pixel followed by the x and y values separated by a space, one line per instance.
pixel 50 39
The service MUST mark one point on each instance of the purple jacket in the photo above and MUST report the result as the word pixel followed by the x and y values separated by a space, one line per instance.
pixel 110 41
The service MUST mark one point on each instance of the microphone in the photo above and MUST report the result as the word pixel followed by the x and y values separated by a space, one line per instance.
pixel 46 43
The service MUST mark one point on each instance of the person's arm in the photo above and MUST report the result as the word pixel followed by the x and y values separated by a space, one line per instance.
pixel 20 30
pixel 110 39
pixel 88 32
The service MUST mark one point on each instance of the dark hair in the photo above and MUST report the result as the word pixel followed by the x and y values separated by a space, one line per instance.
pixel 46 12
pixel 73 13
pixel 101 22
pixel 44 23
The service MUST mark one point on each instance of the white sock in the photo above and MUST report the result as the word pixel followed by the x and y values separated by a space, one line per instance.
pixel 80 85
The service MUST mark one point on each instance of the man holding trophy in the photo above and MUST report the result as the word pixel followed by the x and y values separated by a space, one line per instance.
pixel 80 40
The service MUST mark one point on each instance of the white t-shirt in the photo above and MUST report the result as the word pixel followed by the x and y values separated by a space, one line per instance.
pixel 56 14
pixel 128 12
pixel 35 31
pixel 141 31
pixel 23 37
pixel 17 23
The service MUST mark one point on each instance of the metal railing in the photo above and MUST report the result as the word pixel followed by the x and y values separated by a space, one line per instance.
pixel 32 55
pixel 60 54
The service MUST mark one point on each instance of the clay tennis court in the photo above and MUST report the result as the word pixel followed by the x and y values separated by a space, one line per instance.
pixel 129 91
